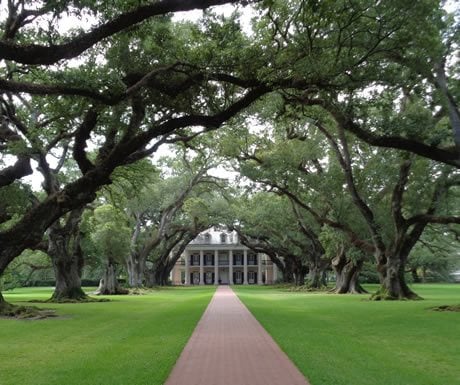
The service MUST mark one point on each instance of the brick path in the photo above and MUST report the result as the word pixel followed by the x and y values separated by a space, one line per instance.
pixel 230 347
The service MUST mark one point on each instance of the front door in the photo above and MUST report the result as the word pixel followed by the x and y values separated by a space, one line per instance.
pixel 209 278
pixel 238 277
pixel 223 277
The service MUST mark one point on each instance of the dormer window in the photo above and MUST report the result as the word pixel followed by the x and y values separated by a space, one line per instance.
pixel 207 238
pixel 223 238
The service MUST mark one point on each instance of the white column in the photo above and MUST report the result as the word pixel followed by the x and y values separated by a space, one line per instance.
pixel 259 269
pixel 201 267
pixel 187 268
pixel 216 267
pixel 230 267
pixel 275 272
pixel 245 267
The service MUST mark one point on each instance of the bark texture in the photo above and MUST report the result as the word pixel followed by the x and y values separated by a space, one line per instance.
pixel 135 266
pixel 67 258
pixel 295 270
pixel 168 253
pixel 316 278
pixel 109 284
pixel 393 282
pixel 158 274
pixel 347 275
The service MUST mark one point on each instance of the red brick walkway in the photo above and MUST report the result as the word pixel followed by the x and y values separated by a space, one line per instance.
pixel 230 347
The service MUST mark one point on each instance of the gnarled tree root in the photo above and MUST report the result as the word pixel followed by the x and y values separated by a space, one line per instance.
pixel 307 288
pixel 356 290
pixel 86 299
pixel 385 295
pixel 9 310
pixel 454 308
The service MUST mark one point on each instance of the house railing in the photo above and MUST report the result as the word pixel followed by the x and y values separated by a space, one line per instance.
pixel 224 262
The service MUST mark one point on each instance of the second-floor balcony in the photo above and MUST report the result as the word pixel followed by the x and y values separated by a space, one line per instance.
pixel 194 261
pixel 224 262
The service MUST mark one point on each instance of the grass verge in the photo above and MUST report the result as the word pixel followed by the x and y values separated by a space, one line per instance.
pixel 346 339
pixel 129 340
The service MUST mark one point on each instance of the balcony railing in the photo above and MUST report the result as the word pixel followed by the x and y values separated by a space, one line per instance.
pixel 214 242
pixel 224 262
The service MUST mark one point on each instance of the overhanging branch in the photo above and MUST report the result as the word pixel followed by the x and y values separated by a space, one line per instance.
pixel 39 54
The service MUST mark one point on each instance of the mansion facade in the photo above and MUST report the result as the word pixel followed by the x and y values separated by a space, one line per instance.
pixel 216 257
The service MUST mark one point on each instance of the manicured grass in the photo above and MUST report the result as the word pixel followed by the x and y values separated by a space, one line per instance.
pixel 347 340
pixel 131 340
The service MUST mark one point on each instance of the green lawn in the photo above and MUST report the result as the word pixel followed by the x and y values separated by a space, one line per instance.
pixel 333 339
pixel 347 340
pixel 132 340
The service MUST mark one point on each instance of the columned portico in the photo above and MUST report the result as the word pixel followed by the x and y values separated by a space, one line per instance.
pixel 259 270
pixel 187 268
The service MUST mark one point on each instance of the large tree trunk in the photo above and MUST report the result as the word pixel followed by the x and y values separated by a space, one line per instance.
pixel 67 258
pixel 288 276
pixel 108 284
pixel 299 273
pixel 295 271
pixel 316 273
pixel 135 266
pixel 315 277
pixel 157 275
pixel 28 232
pixel 299 278
pixel 156 278
pixel 150 278
pixel 393 280
pixel 347 274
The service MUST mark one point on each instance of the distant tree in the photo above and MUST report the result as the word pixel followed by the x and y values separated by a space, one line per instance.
pixel 435 257
pixel 411 206
pixel 111 238
pixel 30 268
pixel 346 260
pixel 267 224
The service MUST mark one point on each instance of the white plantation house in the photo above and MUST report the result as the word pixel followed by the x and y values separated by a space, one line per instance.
pixel 216 257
